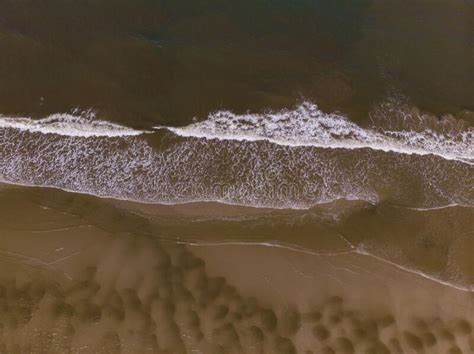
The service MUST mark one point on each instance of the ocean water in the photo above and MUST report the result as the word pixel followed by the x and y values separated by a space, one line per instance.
pixel 285 176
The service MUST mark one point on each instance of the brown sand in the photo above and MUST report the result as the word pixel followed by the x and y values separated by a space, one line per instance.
pixel 71 283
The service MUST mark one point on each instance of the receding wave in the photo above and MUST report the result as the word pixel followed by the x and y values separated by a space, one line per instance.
pixel 309 126
pixel 86 155
pixel 68 125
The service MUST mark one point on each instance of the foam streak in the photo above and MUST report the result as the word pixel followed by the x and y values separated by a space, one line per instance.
pixel 309 126
pixel 68 125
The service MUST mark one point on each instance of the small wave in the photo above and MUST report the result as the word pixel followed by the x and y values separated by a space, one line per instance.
pixel 308 126
pixel 303 250
pixel 454 285
pixel 69 125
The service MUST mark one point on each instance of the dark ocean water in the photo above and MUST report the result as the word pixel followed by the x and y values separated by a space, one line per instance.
pixel 149 62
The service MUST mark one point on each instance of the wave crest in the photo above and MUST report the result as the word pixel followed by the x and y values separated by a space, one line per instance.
pixel 308 126
pixel 63 124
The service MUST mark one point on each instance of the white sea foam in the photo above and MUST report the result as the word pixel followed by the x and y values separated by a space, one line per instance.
pixel 68 125
pixel 54 152
pixel 308 126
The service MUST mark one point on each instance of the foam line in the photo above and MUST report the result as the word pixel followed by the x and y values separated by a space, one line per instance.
pixel 308 126
pixel 68 125
pixel 359 250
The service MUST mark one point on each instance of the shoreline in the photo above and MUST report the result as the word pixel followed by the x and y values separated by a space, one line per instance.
pixel 104 269
pixel 228 212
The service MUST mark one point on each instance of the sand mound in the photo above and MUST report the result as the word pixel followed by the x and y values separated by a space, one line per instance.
pixel 142 295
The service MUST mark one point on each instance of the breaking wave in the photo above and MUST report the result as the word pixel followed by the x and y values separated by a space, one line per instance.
pixel 288 159
pixel 309 126
pixel 85 126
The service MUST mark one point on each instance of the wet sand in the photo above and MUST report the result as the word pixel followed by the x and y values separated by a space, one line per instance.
pixel 70 281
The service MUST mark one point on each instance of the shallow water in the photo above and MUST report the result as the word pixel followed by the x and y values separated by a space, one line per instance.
pixel 223 176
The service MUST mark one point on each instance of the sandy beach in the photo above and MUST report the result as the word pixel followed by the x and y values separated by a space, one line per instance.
pixel 71 284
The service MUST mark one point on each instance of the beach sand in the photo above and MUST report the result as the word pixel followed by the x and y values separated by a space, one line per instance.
pixel 68 283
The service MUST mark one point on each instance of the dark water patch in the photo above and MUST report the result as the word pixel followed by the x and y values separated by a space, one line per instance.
pixel 234 55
